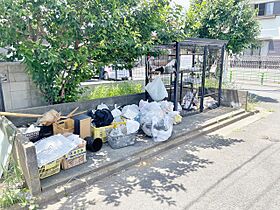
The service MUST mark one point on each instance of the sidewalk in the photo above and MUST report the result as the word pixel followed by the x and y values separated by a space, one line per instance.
pixel 239 170
pixel 107 156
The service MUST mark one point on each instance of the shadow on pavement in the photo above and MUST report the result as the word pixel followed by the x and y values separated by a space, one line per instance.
pixel 154 177
pixel 258 98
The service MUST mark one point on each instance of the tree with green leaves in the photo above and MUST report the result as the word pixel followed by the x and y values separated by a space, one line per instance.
pixel 232 20
pixel 62 41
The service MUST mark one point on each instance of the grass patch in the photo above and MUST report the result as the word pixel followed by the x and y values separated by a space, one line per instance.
pixel 116 89
pixel 13 189
pixel 214 83
pixel 252 103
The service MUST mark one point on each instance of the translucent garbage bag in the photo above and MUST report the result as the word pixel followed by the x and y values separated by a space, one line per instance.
pixel 150 111
pixel 142 103
pixel 166 106
pixel 175 116
pixel 130 111
pixel 102 106
pixel 132 126
pixel 162 130
pixel 116 113
pixel 158 128
pixel 156 89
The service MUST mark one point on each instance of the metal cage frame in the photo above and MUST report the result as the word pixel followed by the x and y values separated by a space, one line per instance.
pixel 177 88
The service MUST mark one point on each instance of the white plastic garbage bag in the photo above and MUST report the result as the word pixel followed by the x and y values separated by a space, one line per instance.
pixel 175 116
pixel 155 122
pixel 116 112
pixel 149 111
pixel 158 128
pixel 166 106
pixel 142 103
pixel 130 111
pixel 179 107
pixel 156 89
pixel 210 102
pixel 102 106
pixel 162 130
pixel 132 126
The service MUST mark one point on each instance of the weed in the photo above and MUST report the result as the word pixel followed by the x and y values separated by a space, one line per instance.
pixel 14 191
pixel 119 89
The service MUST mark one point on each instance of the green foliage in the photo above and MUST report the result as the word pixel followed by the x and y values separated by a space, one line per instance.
pixel 119 89
pixel 14 191
pixel 214 83
pixel 232 20
pixel 64 42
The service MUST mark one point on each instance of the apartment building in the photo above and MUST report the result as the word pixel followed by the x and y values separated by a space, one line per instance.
pixel 269 19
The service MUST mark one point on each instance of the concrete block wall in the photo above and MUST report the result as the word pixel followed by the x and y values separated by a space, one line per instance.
pixel 66 108
pixel 18 89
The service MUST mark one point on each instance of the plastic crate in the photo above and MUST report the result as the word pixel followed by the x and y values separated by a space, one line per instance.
pixel 50 169
pixel 118 142
pixel 102 131
pixel 75 157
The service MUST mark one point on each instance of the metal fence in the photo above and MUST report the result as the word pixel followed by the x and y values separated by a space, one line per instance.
pixel 263 70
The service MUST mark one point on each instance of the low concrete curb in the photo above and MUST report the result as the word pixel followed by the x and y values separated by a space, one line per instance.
pixel 119 165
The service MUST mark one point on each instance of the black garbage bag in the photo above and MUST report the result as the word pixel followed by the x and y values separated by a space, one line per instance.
pixel 101 117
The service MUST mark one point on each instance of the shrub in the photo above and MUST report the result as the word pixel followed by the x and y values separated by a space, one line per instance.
pixel 119 89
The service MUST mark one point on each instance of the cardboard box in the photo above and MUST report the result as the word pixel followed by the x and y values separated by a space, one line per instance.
pixel 63 126
pixel 75 157
pixel 82 126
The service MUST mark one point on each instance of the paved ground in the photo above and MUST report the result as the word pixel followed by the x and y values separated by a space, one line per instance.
pixel 234 168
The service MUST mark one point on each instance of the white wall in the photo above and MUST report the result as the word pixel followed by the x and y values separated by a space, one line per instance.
pixel 270 25
pixel 270 28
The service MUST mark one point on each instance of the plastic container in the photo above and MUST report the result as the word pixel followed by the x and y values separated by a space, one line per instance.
pixel 50 169
pixel 122 141
pixel 101 132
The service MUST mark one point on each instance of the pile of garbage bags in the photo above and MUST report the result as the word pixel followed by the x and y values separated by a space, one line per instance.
pixel 156 119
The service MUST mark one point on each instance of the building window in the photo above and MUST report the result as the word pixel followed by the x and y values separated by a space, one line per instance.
pixel 265 9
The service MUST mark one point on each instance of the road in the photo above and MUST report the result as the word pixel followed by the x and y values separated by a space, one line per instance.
pixel 236 167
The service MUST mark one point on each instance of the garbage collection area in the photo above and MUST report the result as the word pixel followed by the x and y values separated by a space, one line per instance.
pixel 192 72
pixel 61 142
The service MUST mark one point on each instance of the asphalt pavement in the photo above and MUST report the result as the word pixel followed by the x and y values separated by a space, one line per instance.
pixel 236 167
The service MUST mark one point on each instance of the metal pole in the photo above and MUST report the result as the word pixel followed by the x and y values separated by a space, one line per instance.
pixel 2 104
pixel 146 75
pixel 181 87
pixel 170 87
pixel 221 75
pixel 176 76
pixel 203 78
